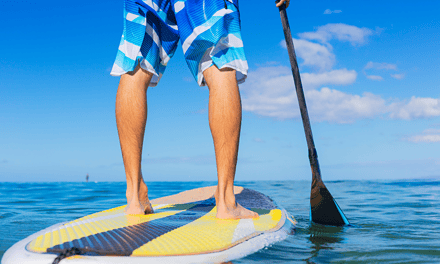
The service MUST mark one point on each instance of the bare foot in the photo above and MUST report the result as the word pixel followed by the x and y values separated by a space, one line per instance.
pixel 138 205
pixel 228 208
pixel 234 212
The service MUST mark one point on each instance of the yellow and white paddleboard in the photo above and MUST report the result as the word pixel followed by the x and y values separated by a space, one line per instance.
pixel 183 229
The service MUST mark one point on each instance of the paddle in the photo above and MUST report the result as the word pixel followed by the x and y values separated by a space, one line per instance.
pixel 324 209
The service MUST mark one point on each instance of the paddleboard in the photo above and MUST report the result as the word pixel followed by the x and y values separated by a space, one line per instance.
pixel 182 229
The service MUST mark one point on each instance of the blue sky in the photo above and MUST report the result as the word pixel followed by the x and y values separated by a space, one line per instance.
pixel 370 74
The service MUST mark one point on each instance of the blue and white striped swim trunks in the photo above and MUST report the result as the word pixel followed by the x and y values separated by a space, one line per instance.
pixel 209 31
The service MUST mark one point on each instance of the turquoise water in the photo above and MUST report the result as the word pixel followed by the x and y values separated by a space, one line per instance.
pixel 392 222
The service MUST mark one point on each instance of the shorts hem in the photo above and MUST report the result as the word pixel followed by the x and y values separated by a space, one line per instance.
pixel 241 74
pixel 144 65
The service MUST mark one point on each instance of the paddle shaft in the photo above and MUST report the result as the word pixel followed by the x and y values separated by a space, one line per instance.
pixel 324 209
pixel 313 157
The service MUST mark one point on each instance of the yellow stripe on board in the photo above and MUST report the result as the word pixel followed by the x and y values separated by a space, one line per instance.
pixel 202 235
pixel 268 221
pixel 56 237
pixel 206 234
pixel 64 237
pixel 76 229
pixel 46 240
pixel 36 242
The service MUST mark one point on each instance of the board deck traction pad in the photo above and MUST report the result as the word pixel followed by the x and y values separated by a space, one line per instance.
pixel 173 230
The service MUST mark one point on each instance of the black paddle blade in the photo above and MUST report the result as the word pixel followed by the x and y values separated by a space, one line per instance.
pixel 324 209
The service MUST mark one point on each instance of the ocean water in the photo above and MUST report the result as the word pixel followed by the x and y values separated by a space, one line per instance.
pixel 391 221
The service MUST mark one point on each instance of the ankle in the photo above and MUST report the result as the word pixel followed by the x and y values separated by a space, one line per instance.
pixel 226 202
pixel 143 189
pixel 128 193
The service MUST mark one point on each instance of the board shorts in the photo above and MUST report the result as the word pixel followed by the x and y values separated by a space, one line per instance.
pixel 209 32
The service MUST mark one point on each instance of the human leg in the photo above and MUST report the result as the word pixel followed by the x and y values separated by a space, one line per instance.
pixel 225 124
pixel 131 118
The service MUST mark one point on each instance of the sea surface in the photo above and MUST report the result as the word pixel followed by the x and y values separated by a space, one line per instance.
pixel 391 221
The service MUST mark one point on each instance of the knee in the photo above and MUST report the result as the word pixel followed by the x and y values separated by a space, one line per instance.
pixel 137 79
pixel 220 78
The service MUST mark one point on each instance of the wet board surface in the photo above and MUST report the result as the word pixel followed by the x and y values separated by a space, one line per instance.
pixel 183 228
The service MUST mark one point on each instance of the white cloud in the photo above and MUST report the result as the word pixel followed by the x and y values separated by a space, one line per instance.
pixel 336 77
pixel 431 131
pixel 398 76
pixel 270 92
pixel 375 77
pixel 340 31
pixel 380 66
pixel 328 12
pixel 313 54
pixel 336 106
pixel 417 107
pixel 427 136
pixel 321 55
